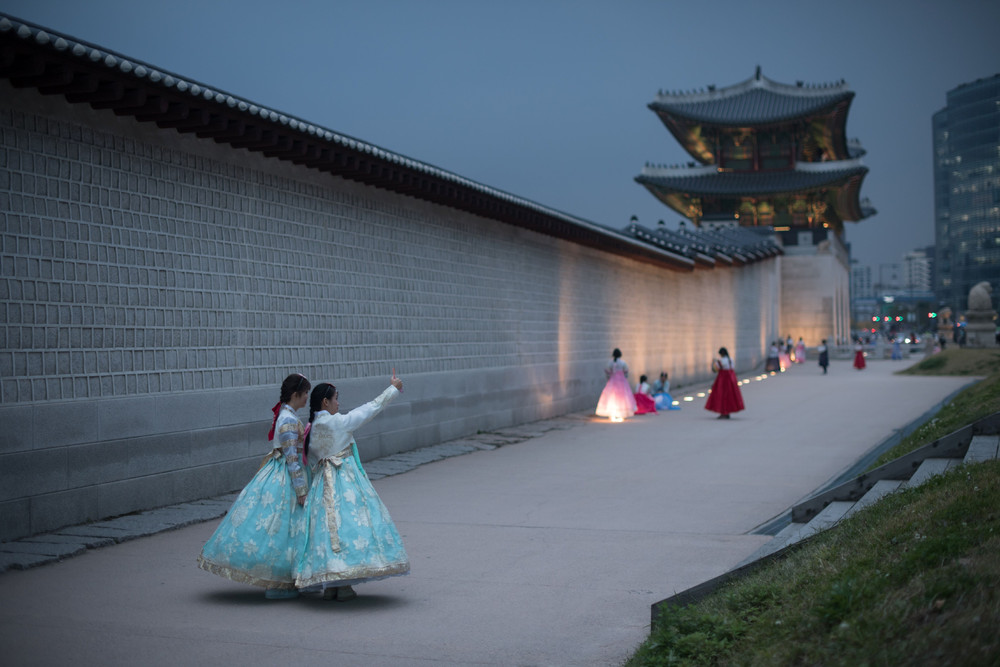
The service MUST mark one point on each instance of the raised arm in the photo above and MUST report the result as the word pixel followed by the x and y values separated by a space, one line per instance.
pixel 363 414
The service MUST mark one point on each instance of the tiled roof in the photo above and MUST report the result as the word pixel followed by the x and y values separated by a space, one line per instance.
pixel 711 181
pixel 758 100
pixel 39 58
pixel 711 247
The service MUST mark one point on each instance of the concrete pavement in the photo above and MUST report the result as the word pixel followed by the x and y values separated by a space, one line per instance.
pixel 548 551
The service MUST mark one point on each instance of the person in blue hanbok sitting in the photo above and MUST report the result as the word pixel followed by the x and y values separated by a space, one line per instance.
pixel 661 394
pixel 350 537
pixel 256 541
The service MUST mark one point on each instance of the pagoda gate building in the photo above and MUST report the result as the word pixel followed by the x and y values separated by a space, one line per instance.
pixel 775 157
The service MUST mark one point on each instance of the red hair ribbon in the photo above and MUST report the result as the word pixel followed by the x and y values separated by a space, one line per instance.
pixel 276 410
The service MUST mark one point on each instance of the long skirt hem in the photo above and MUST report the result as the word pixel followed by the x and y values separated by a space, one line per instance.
pixel 324 580
pixel 242 576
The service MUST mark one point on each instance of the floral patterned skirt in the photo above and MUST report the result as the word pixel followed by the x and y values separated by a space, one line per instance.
pixel 256 541
pixel 350 537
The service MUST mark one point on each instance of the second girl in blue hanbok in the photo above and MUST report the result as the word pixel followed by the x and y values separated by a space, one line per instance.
pixel 349 535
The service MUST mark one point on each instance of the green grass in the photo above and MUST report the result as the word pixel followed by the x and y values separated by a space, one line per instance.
pixel 973 403
pixel 912 580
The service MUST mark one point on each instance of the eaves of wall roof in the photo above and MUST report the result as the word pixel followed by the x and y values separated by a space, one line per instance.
pixel 32 57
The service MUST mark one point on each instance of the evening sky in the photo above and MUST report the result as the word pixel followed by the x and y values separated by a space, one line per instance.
pixel 547 99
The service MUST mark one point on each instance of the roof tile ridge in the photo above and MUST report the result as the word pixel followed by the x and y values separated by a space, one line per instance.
pixel 49 38
pixel 757 81
pixel 830 165
pixel 678 170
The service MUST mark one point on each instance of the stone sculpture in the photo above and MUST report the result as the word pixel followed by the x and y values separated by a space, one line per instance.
pixel 980 318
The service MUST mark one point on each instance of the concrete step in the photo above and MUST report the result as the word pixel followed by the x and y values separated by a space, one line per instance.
pixel 930 468
pixel 881 488
pixel 794 532
pixel 781 539
pixel 830 515
pixel 983 448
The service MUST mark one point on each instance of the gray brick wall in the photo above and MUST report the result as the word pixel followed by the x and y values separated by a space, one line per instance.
pixel 156 288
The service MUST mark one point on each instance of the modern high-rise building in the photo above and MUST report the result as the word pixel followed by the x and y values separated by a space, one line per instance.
pixel 862 286
pixel 917 271
pixel 967 191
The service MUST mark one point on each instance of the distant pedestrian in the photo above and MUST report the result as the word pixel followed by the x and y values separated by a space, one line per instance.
pixel 859 355
pixel 784 360
pixel 897 350
pixel 824 356
pixel 617 401
pixel 800 352
pixel 725 397
pixel 349 536
pixel 773 364
pixel 256 541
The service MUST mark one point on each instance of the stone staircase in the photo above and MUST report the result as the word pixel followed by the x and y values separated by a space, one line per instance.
pixel 979 441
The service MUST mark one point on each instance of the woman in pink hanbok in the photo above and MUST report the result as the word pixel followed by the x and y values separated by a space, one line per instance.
pixel 617 401
pixel 800 352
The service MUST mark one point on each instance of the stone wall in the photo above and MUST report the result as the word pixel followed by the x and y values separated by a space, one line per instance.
pixel 815 293
pixel 156 288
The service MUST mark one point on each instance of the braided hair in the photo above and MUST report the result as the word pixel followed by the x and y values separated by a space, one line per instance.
pixel 323 391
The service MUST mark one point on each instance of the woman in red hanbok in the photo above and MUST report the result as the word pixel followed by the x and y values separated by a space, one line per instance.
pixel 859 356
pixel 725 397
pixel 617 401
pixel 644 402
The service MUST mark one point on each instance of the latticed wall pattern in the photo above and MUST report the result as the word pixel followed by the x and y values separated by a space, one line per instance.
pixel 131 268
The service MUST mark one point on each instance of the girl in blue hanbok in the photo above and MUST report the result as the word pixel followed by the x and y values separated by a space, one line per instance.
pixel 256 541
pixel 661 394
pixel 350 537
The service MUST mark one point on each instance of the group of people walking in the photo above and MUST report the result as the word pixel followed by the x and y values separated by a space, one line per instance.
pixel 310 520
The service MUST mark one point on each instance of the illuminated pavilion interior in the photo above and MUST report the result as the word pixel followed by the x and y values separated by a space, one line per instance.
pixel 765 154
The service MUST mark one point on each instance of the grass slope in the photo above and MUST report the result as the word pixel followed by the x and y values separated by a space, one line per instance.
pixel 911 580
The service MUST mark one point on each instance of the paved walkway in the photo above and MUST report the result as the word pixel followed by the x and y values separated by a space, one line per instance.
pixel 548 551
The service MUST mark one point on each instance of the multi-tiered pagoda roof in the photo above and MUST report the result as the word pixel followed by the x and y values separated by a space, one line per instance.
pixel 765 153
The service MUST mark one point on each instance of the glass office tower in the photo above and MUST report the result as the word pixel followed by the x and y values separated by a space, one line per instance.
pixel 967 192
